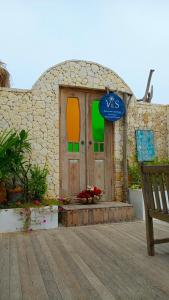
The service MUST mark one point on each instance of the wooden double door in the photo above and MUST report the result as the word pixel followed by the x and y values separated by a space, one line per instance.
pixel 86 156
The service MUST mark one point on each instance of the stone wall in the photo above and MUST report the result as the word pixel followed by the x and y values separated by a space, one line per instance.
pixel 148 116
pixel 37 110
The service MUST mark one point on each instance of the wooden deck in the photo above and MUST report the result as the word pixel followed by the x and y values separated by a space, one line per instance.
pixel 93 262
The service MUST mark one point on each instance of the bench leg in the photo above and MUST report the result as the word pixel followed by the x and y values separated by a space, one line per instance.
pixel 150 235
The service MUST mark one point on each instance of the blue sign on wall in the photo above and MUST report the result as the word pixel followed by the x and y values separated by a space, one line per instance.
pixel 145 145
pixel 112 107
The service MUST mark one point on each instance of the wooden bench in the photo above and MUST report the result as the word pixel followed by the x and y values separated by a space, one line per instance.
pixel 155 186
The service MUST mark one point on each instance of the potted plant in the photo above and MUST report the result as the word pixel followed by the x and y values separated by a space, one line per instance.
pixel 135 190
pixel 90 196
pixel 26 208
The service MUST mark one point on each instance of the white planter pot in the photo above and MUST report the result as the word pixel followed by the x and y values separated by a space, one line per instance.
pixel 136 199
pixel 21 219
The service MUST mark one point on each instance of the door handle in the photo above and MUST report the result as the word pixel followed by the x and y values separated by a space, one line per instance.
pixel 90 142
pixel 82 142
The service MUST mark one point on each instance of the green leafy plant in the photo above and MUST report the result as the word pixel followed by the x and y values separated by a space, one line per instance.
pixel 7 141
pixel 161 161
pixel 13 149
pixel 134 175
pixel 18 154
pixel 16 169
pixel 38 181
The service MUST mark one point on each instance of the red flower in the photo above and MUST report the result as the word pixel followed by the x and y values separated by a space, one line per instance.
pixel 89 193
pixel 61 209
pixel 36 202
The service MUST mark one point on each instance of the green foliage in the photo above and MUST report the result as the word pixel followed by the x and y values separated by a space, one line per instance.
pixel 134 175
pixel 134 171
pixel 7 141
pixel 16 167
pixel 156 162
pixel 18 204
pixel 38 182
pixel 13 148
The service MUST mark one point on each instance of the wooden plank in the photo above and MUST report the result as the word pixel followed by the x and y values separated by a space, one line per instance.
pixel 99 176
pixel 103 292
pixel 80 217
pixel 111 215
pixel 98 259
pixel 92 157
pixel 55 268
pixel 45 269
pixel 15 292
pixel 125 152
pixel 106 215
pixel 75 221
pixel 24 269
pixel 149 271
pixel 91 262
pixel 85 217
pixel 74 176
pixel 150 191
pixel 161 241
pixel 96 214
pixel 66 189
pixel 64 261
pixel 109 161
pixel 90 216
pixel 37 284
pixel 69 215
pixel 155 169
pixel 166 179
pixel 4 267
pixel 156 191
pixel 129 214
pixel 88 292
pixel 162 192
pixel 159 215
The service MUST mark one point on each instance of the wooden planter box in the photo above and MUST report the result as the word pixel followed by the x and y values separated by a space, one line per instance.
pixel 21 219
pixel 103 212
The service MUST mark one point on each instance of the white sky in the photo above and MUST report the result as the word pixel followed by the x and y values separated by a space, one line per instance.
pixel 128 36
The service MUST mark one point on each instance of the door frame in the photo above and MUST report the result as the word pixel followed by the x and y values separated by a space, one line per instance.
pixel 109 126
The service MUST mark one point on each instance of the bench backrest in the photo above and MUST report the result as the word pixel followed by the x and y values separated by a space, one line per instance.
pixel 155 186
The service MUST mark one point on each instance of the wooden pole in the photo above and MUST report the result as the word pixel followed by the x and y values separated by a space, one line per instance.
pixel 126 99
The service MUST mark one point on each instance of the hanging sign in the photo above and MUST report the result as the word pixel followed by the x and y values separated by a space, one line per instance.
pixel 145 145
pixel 112 107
